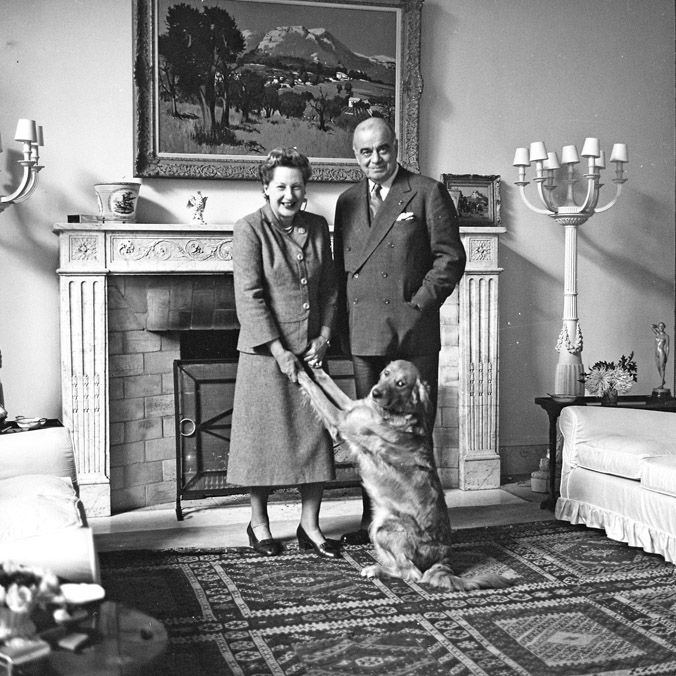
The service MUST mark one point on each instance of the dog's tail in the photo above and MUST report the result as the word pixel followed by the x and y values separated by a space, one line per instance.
pixel 440 575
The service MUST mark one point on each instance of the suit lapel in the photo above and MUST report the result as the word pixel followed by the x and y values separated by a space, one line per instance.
pixel 357 218
pixel 397 199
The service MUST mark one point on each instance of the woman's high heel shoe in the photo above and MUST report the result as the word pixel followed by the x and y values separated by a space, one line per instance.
pixel 267 547
pixel 324 550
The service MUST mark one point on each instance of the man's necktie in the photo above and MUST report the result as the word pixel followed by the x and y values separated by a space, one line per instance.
pixel 375 201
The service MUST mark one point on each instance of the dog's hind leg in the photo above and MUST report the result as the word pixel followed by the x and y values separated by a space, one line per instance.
pixel 393 552
pixel 441 575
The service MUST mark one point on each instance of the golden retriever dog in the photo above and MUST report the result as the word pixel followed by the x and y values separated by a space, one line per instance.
pixel 387 432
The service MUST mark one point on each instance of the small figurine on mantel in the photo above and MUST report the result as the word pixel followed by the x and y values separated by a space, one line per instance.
pixel 196 204
pixel 661 356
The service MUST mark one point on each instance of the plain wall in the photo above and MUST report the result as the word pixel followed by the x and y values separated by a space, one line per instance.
pixel 497 75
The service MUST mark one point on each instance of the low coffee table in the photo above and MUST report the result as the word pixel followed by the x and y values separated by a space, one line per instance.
pixel 125 642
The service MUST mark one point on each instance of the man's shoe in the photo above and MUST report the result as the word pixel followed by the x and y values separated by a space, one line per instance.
pixel 356 537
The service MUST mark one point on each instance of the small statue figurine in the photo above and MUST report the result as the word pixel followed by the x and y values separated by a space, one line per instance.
pixel 661 356
pixel 3 410
pixel 196 204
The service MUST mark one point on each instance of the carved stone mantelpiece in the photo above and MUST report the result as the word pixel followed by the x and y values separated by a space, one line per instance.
pixel 132 248
pixel 466 434
pixel 88 253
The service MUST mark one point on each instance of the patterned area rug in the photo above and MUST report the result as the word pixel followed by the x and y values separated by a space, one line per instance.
pixel 580 604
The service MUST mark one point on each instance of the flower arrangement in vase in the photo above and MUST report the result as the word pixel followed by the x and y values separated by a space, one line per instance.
pixel 22 589
pixel 607 380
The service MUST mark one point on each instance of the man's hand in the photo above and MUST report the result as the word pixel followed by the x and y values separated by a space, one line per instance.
pixel 314 355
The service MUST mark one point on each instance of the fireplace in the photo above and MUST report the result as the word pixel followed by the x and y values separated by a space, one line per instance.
pixel 137 297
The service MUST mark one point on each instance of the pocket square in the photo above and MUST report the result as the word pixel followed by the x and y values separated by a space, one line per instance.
pixel 405 216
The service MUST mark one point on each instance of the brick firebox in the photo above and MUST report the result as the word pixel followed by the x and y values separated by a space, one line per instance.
pixel 117 386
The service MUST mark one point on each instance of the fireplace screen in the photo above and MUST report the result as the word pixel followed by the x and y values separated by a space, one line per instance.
pixel 204 394
pixel 204 391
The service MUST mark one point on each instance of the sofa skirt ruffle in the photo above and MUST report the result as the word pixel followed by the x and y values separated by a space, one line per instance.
pixel 618 527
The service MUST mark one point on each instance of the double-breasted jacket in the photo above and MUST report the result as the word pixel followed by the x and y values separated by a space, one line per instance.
pixel 396 272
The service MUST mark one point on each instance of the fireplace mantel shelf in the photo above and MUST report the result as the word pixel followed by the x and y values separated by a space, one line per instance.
pixel 163 248
pixel 143 248
pixel 466 434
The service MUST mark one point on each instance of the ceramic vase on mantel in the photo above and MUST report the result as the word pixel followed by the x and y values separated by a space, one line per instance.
pixel 609 398
pixel 117 201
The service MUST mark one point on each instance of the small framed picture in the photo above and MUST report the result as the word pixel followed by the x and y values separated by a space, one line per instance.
pixel 477 198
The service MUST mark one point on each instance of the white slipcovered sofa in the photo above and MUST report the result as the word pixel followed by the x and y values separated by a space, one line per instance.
pixel 618 473
pixel 42 520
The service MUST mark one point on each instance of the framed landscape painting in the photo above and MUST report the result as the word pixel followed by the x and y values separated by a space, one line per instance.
pixel 220 83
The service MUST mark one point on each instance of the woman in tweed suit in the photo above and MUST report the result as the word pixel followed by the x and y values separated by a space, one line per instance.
pixel 285 293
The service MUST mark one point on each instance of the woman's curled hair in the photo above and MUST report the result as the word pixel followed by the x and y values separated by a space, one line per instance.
pixel 284 157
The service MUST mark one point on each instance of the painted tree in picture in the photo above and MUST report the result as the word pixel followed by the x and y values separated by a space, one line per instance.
pixel 197 63
pixel 233 90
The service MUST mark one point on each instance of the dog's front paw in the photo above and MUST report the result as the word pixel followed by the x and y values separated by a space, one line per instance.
pixel 371 571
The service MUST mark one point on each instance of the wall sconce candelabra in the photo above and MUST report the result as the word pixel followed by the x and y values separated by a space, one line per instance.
pixel 570 215
pixel 30 134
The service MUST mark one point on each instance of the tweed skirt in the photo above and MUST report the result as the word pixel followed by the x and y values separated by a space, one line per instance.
pixel 276 439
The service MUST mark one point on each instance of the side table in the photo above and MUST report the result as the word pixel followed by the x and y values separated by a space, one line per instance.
pixel 125 642
pixel 554 408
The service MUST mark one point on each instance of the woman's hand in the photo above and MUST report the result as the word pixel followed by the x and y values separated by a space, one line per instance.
pixel 288 364
pixel 287 361
pixel 314 355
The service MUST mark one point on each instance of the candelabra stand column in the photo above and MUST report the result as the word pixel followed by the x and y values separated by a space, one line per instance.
pixel 569 346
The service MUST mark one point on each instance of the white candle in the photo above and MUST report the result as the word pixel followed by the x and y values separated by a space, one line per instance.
pixel 569 155
pixel 591 147
pixel 619 153
pixel 538 152
pixel 521 157
pixel 41 138
pixel 26 131
pixel 600 162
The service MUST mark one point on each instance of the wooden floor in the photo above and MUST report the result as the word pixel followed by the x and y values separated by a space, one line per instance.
pixel 218 522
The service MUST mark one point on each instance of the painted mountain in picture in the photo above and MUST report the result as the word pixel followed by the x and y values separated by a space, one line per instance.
pixel 244 77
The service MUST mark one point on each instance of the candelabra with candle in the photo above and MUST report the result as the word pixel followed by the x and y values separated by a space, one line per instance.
pixel 30 134
pixel 570 215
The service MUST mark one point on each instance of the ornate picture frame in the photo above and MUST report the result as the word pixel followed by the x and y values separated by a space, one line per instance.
pixel 476 197
pixel 180 130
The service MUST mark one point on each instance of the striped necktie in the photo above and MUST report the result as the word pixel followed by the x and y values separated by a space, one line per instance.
pixel 375 201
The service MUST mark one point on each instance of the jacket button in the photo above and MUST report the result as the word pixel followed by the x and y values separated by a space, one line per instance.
pixel 306 306
pixel 384 274
pixel 348 248
pixel 299 257
pixel 301 231
pixel 356 275
pixel 355 301
pixel 303 281
pixel 386 301
pixel 391 245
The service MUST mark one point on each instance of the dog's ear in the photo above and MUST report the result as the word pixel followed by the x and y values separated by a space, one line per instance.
pixel 421 398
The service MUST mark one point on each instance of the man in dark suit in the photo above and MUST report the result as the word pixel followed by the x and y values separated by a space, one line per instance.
pixel 398 257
